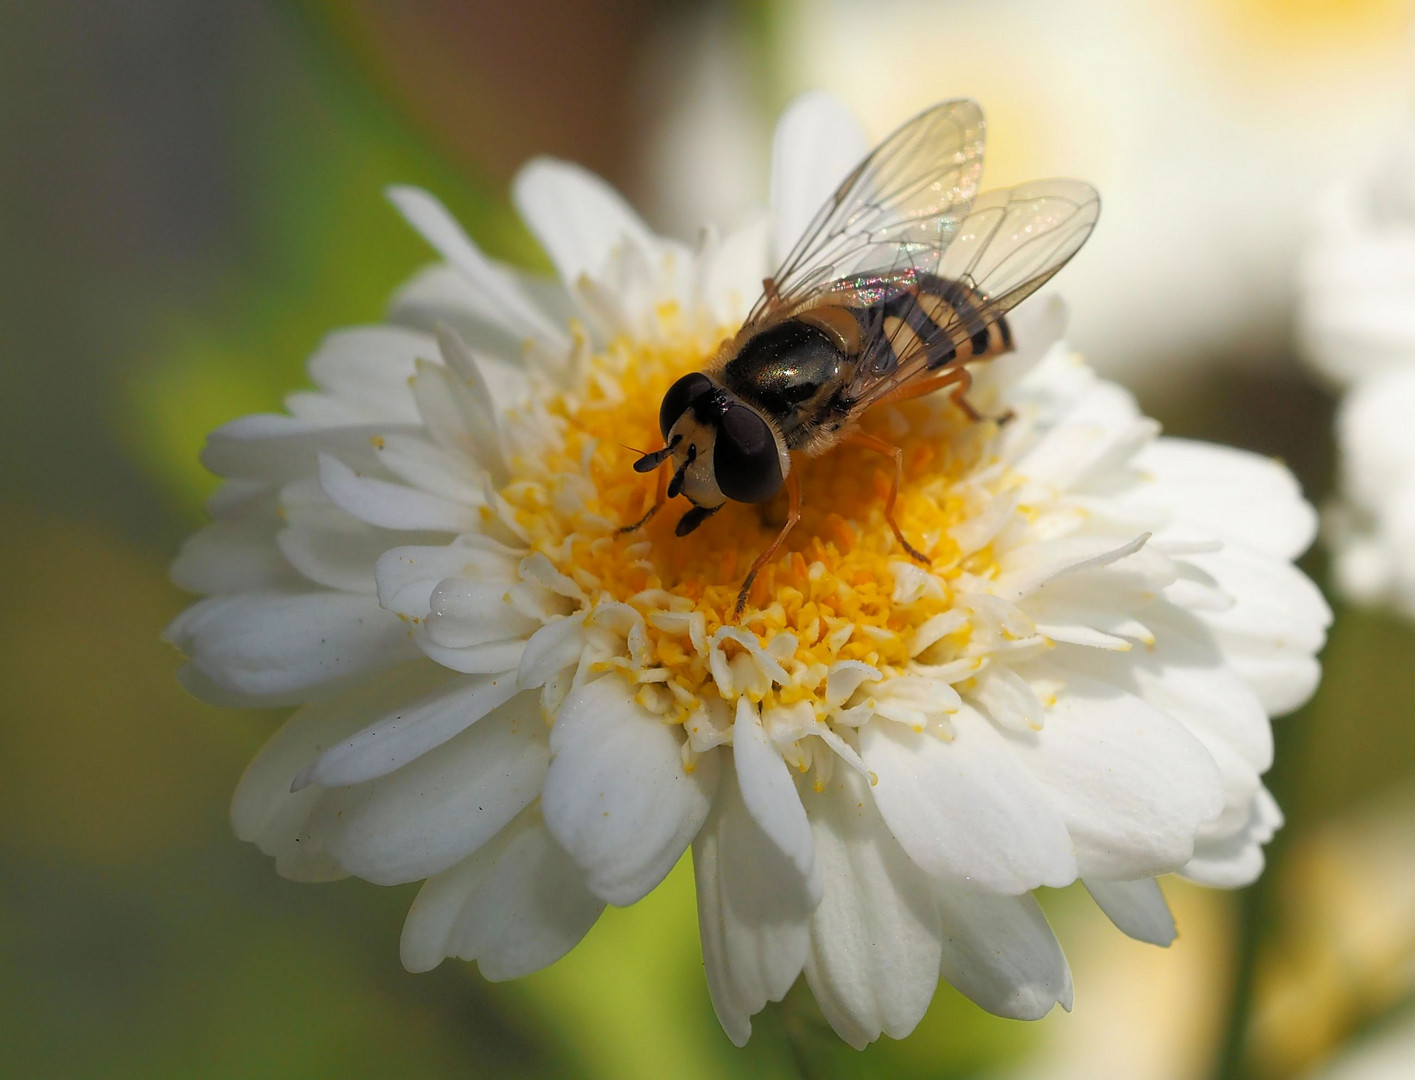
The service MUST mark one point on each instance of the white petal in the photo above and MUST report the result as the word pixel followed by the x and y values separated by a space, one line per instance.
pixel 732 278
pixel 490 659
pixel 441 807
pixel 1109 599
pixel 753 913
pixel 1102 418
pixel 1027 569
pixel 1274 602
pixel 277 449
pixel 1283 681
pixel 1137 908
pixel 391 506
pixel 481 431
pixel 369 367
pixel 967 810
pixel 875 938
pixel 236 555
pixel 770 794
pixel 1183 672
pixel 1231 493
pixel 438 470
pixel 817 143
pixel 1132 785
pixel 515 906
pixel 552 648
pixel 265 811
pixel 280 648
pixel 448 410
pixel 1277 623
pixel 439 296
pixel 1010 700
pixel 617 797
pixel 326 410
pixel 576 216
pixel 999 951
pixel 1236 860
pixel 507 306
pixel 1189 682
pixel 407 576
pixel 463 613
pixel 334 550
pixel 1238 780
pixel 424 718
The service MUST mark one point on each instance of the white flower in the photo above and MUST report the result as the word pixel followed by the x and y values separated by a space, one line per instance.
pixel 1371 527
pixel 504 695
pixel 1357 274
pixel 1357 326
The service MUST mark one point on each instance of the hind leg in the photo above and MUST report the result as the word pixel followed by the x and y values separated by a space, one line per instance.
pixel 960 378
pixel 871 442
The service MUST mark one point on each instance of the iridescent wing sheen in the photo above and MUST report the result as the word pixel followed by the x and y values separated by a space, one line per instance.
pixel 1009 246
pixel 899 209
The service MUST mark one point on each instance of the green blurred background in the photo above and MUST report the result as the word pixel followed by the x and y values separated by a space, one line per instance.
pixel 190 196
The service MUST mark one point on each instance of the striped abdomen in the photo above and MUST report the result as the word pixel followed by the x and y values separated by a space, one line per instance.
pixel 938 320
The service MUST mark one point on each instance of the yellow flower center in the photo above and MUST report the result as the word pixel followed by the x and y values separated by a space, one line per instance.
pixel 830 592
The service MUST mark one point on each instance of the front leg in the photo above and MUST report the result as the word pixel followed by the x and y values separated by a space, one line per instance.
pixel 659 499
pixel 793 515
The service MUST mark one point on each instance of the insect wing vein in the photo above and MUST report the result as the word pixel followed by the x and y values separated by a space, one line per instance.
pixel 1008 247
pixel 899 208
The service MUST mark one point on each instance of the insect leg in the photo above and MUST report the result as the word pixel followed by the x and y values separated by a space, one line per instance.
pixel 960 378
pixel 958 395
pixel 793 515
pixel 659 500
pixel 871 442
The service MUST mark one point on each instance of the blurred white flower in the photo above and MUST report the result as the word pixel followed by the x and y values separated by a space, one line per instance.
pixel 504 695
pixel 1357 326
pixel 1371 526
pixel 1385 1054
pixel 1357 274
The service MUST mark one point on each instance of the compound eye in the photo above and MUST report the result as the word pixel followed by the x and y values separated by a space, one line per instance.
pixel 680 396
pixel 744 457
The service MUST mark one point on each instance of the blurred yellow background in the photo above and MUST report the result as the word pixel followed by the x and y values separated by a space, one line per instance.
pixel 191 196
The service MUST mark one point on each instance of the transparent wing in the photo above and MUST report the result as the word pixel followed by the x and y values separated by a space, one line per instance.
pixel 1009 246
pixel 900 207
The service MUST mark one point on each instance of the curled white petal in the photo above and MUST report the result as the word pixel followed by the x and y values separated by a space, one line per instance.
pixel 618 797
pixel 515 906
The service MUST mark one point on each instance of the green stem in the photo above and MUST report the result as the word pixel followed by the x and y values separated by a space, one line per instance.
pixel 1258 904
pixel 1232 1050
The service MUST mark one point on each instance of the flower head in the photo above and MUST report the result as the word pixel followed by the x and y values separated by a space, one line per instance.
pixel 1357 324
pixel 505 694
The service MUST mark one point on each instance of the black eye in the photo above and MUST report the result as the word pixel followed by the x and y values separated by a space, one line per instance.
pixel 744 458
pixel 680 395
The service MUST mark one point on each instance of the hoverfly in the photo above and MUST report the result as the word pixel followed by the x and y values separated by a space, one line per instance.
pixel 902 279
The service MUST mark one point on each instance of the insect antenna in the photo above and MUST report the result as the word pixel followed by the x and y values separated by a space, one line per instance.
pixel 650 461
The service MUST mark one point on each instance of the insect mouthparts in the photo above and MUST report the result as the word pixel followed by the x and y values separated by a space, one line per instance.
pixel 693 518
pixel 676 484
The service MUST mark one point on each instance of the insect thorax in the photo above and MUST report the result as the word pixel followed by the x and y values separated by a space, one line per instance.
pixel 792 372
